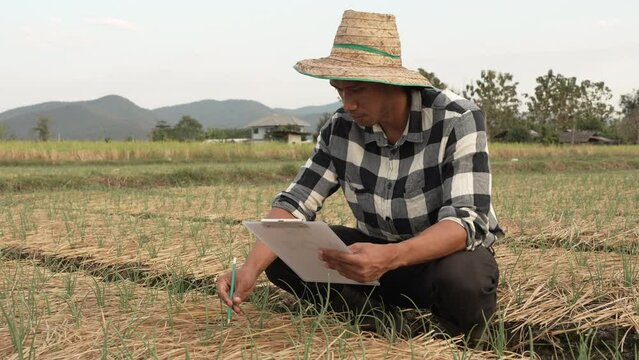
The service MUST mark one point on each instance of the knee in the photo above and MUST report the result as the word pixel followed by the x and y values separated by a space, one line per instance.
pixel 471 297
pixel 466 287
pixel 470 273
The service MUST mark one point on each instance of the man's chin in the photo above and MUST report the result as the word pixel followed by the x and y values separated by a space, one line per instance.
pixel 362 121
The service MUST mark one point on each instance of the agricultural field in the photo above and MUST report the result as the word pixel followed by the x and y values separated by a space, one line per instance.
pixel 110 250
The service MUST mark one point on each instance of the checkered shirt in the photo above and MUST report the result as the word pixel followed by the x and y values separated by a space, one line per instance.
pixel 437 170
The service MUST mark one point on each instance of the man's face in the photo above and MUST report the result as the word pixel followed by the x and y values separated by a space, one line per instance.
pixel 368 103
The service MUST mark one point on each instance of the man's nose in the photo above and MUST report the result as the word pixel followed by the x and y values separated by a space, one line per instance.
pixel 349 103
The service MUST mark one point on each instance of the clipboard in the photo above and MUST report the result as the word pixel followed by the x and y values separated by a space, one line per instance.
pixel 298 242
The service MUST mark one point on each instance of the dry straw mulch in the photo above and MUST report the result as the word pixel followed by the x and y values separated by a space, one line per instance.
pixel 556 291
pixel 152 323
pixel 552 291
pixel 164 230
pixel 558 276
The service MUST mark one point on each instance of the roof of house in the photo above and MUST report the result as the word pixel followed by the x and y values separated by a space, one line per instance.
pixel 579 136
pixel 277 120
pixel 582 137
pixel 602 139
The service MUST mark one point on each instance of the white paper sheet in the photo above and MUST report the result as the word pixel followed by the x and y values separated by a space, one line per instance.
pixel 298 244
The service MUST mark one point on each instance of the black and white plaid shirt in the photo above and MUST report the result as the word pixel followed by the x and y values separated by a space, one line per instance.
pixel 437 170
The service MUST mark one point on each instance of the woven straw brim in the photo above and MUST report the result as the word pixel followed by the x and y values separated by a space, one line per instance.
pixel 337 69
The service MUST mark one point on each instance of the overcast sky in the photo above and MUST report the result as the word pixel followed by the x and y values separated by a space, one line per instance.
pixel 159 53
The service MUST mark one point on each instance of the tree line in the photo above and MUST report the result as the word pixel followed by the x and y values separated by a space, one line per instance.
pixel 190 129
pixel 41 130
pixel 187 129
pixel 558 103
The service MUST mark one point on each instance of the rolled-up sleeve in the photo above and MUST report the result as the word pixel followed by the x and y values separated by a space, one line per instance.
pixel 315 181
pixel 466 177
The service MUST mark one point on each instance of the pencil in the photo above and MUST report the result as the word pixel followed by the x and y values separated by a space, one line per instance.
pixel 229 312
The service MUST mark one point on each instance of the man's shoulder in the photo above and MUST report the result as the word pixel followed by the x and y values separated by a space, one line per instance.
pixel 338 125
pixel 339 118
pixel 446 100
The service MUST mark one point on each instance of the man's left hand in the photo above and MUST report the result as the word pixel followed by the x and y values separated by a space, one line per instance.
pixel 367 262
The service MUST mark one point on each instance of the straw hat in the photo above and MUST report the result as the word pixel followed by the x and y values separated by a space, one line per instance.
pixel 366 48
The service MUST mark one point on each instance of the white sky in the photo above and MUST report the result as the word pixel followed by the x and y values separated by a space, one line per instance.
pixel 159 53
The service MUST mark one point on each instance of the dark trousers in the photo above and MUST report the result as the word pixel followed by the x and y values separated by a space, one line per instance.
pixel 459 288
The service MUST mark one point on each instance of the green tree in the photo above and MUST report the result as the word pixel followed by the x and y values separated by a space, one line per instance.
pixel 242 133
pixel 594 107
pixel 496 95
pixel 216 133
pixel 556 101
pixel 630 116
pixel 433 79
pixel 4 131
pixel 42 128
pixel 188 129
pixel 161 132
pixel 518 134
pixel 560 103
pixel 613 130
pixel 279 132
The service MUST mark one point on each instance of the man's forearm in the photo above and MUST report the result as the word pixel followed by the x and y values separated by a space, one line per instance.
pixel 442 239
pixel 261 255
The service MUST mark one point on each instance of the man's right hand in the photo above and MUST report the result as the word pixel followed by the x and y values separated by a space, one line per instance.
pixel 246 276
pixel 245 280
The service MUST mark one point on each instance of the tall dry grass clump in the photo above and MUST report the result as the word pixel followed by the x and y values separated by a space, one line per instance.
pixel 143 151
pixel 504 151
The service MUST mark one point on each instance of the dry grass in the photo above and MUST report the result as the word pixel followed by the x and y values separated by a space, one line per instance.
pixel 553 290
pixel 82 151
pixel 569 266
pixel 128 320
pixel 586 211
pixel 557 291
pixel 143 151
pixel 194 229
pixel 503 151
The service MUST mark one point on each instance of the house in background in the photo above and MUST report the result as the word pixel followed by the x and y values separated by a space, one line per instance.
pixel 584 137
pixel 279 127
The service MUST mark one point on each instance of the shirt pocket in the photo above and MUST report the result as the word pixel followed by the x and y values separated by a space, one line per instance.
pixel 359 198
pixel 415 202
pixel 415 185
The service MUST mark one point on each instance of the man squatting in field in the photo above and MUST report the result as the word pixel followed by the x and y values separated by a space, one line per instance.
pixel 412 162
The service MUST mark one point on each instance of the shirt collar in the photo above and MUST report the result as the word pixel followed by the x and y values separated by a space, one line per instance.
pixel 414 127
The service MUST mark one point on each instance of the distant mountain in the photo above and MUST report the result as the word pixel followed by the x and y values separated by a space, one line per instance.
pixel 310 110
pixel 116 117
pixel 111 116
pixel 37 108
pixel 311 114
pixel 216 114
pixel 236 113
